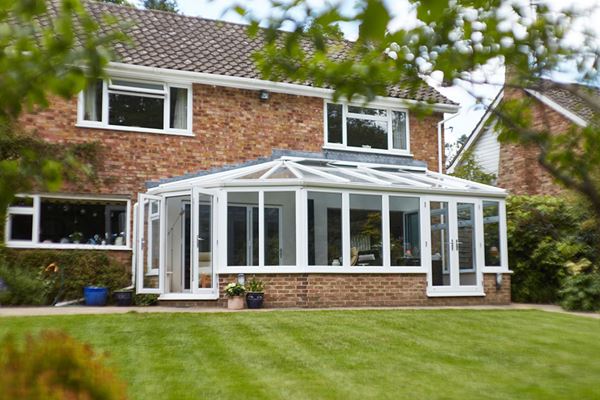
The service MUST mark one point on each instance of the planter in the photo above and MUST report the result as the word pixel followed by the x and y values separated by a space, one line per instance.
pixel 124 298
pixel 95 296
pixel 255 300
pixel 235 303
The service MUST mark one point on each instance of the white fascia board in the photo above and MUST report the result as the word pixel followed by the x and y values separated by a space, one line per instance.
pixel 187 77
pixel 558 108
pixel 475 135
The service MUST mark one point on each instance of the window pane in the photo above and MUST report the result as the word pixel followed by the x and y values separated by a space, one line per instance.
pixel 367 111
pixel 280 228
pixel 138 85
pixel 83 221
pixel 366 133
pixel 138 111
pixel 21 227
pixel 405 242
pixel 242 228
pixel 205 251
pixel 324 228
pixel 491 232
pixel 179 104
pixel 466 243
pixel 92 102
pixel 399 130
pixel 440 246
pixel 334 123
pixel 365 230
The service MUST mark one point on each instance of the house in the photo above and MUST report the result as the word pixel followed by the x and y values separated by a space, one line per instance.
pixel 516 166
pixel 211 174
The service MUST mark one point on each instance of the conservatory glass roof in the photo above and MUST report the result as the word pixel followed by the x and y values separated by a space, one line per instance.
pixel 294 171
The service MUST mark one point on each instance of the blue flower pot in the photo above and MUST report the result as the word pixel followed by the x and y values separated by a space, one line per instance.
pixel 95 296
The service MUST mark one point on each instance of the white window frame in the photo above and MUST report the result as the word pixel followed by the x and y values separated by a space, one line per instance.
pixel 345 114
pixel 108 87
pixel 35 210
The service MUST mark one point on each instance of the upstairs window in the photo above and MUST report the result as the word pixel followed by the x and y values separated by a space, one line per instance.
pixel 367 128
pixel 137 106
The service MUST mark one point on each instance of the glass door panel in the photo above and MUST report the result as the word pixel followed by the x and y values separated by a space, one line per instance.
pixel 466 243
pixel 440 244
pixel 204 240
pixel 149 263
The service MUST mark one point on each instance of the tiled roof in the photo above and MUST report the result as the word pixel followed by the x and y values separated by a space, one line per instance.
pixel 172 41
pixel 571 97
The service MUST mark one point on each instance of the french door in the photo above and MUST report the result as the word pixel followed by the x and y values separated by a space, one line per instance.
pixel 150 245
pixel 455 264
pixel 204 243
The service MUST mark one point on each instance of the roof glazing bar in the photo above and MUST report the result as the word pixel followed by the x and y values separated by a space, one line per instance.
pixel 316 171
pixel 394 177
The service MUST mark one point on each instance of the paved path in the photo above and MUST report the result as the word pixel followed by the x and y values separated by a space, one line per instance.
pixel 81 310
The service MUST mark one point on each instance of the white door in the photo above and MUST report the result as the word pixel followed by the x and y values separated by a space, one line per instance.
pixel 455 266
pixel 204 243
pixel 149 276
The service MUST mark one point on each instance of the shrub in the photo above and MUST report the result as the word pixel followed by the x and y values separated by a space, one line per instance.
pixel 234 289
pixel 53 365
pixel 75 269
pixel 544 233
pixel 23 287
pixel 145 299
pixel 581 292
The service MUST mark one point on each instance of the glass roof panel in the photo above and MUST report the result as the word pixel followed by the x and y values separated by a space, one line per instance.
pixel 256 174
pixel 282 173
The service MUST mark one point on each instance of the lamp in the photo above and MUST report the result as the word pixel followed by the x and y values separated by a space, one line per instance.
pixel 263 95
pixel 241 278
pixel 498 280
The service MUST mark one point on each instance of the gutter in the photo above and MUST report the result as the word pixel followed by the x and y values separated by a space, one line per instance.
pixel 440 144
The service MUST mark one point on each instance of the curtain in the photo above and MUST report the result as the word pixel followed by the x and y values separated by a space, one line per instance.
pixel 91 111
pixel 179 118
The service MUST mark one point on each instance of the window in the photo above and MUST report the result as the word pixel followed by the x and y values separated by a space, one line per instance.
pixel 136 105
pixel 491 233
pixel 405 242
pixel 324 228
pixel 67 222
pixel 365 230
pixel 279 225
pixel 367 128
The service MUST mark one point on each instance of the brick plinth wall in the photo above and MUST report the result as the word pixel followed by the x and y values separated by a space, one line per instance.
pixel 356 290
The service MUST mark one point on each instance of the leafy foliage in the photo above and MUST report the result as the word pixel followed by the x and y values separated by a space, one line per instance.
pixel 255 285
pixel 42 57
pixel 449 41
pixel 161 5
pixel 581 292
pixel 53 365
pixel 145 299
pixel 544 234
pixel 234 289
pixel 470 169
pixel 68 273
pixel 22 287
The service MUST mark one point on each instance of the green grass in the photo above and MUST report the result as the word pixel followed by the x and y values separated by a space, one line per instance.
pixel 429 354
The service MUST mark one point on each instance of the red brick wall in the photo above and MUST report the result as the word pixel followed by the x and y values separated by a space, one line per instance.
pixel 520 171
pixel 362 290
pixel 424 140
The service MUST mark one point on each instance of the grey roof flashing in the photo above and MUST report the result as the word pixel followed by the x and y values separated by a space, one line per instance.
pixel 337 155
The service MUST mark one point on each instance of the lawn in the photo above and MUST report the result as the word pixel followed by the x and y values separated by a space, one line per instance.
pixel 420 354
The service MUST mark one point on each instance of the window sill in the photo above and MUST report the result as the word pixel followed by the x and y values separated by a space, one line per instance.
pixel 132 129
pixel 454 293
pixel 404 153
pixel 321 270
pixel 70 246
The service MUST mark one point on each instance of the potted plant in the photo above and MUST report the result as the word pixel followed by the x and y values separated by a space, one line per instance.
pixel 255 293
pixel 76 237
pixel 95 295
pixel 124 298
pixel 235 291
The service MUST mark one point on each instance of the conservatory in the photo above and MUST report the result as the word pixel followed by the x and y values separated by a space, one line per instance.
pixel 299 215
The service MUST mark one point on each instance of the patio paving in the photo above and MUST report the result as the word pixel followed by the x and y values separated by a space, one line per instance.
pixel 82 310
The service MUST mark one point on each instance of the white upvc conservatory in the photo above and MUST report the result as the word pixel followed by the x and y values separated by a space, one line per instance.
pixel 311 215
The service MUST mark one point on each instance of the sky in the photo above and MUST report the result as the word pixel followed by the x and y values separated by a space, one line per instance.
pixel 470 112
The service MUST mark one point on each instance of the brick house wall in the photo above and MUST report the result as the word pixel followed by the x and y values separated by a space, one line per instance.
pixel 230 126
pixel 519 170
pixel 356 290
